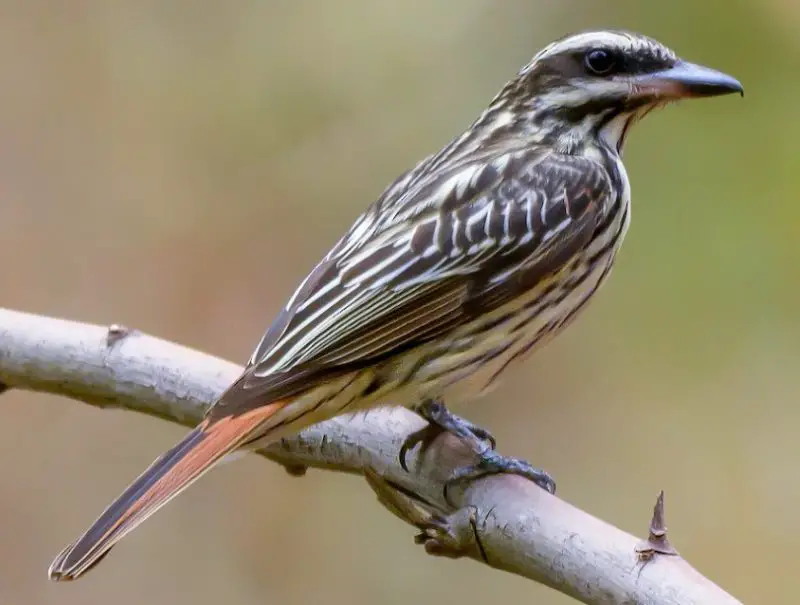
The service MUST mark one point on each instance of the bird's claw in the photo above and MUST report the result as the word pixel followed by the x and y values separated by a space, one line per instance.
pixel 423 437
pixel 441 420
pixel 479 440
pixel 492 463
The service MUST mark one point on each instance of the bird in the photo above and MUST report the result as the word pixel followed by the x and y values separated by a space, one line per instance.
pixel 462 267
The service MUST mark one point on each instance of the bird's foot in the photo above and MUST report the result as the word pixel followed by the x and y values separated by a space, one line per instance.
pixel 440 420
pixel 492 463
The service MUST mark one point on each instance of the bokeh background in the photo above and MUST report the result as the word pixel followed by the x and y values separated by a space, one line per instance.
pixel 179 166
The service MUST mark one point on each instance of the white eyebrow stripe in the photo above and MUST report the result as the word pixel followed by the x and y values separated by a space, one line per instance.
pixel 587 40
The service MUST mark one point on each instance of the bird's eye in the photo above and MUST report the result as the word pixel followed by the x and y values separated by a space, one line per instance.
pixel 600 62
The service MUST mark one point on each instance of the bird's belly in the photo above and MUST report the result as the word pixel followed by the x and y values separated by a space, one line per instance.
pixel 479 356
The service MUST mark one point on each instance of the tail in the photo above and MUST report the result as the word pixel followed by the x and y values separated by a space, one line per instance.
pixel 167 477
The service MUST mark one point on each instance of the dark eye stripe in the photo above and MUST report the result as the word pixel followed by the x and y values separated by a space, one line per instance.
pixel 640 64
pixel 629 63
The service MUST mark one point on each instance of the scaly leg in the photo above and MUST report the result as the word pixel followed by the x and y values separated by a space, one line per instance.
pixel 441 420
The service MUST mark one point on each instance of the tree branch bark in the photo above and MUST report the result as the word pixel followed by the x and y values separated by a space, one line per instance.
pixel 503 521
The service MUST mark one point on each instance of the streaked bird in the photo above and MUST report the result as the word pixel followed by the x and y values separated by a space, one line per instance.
pixel 462 267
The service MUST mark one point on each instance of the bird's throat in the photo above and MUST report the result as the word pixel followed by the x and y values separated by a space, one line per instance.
pixel 614 132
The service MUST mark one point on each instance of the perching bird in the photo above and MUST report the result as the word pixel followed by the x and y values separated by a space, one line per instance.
pixel 463 266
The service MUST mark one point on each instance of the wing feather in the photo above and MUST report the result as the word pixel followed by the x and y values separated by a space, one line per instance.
pixel 488 231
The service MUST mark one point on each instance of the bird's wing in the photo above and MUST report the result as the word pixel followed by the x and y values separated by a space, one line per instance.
pixel 446 250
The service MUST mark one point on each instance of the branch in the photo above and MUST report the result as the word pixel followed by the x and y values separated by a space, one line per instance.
pixel 504 521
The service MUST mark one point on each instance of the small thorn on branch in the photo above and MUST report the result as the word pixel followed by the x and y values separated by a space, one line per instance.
pixel 657 542
pixel 116 333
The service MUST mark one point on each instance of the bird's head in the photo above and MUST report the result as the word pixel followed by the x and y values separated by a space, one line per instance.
pixel 601 82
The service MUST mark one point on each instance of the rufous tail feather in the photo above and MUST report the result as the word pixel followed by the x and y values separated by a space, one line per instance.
pixel 167 477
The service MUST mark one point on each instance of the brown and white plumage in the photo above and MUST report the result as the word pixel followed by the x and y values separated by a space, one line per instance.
pixel 462 266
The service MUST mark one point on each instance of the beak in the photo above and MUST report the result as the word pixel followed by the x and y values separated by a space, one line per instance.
pixel 684 80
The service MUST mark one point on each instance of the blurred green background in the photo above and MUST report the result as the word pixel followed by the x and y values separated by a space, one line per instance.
pixel 179 166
